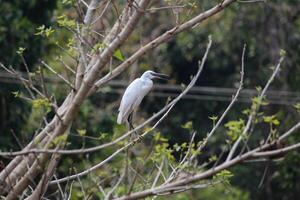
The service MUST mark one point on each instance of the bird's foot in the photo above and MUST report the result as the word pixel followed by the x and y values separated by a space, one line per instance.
pixel 137 138
pixel 133 143
pixel 140 137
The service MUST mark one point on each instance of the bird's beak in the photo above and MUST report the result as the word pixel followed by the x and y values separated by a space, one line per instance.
pixel 161 76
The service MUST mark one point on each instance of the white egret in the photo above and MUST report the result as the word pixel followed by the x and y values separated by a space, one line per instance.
pixel 134 95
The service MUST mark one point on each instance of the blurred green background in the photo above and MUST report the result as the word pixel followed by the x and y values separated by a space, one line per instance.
pixel 265 27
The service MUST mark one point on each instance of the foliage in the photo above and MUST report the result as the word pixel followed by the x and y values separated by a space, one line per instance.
pixel 41 103
pixel 235 129
pixel 227 193
pixel 18 24
pixel 96 123
pixel 223 176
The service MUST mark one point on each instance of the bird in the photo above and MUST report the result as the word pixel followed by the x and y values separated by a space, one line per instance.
pixel 134 95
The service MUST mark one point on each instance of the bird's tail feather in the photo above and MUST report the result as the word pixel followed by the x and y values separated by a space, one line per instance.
pixel 120 118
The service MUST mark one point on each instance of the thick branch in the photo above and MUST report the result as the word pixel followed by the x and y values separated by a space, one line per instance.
pixel 253 114
pixel 170 106
pixel 203 175
pixel 159 40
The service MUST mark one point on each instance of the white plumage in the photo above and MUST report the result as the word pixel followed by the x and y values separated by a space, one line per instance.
pixel 135 93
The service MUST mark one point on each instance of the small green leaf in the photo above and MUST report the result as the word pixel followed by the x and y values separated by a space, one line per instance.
pixel 276 122
pixel 65 22
pixel 246 112
pixel 192 4
pixel 235 128
pixel 99 46
pixel 43 31
pixel 268 119
pixel 118 54
pixel 162 139
pixel 81 132
pixel 158 137
pixel 213 158
pixel 184 145
pixel 40 29
pixel 224 176
pixel 271 120
pixel 68 2
pixel 59 139
pixel 41 103
pixel 214 118
pixel 49 31
pixel 16 94
pixel 297 106
pixel 188 125
pixel 282 52
pixel 102 136
pixel 258 88
pixel 176 147
pixel 21 50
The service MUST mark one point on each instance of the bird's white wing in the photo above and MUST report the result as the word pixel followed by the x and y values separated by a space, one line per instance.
pixel 127 100
pixel 132 97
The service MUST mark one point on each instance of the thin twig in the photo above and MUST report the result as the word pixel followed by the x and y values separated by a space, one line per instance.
pixel 159 172
pixel 172 104
pixel 253 113
pixel 57 74
pixel 108 195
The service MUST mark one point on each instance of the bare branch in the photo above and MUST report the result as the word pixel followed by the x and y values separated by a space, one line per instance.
pixel 171 105
pixel 108 195
pixel 277 151
pixel 58 74
pixel 90 12
pixel 159 40
pixel 202 175
pixel 252 115
pixel 159 172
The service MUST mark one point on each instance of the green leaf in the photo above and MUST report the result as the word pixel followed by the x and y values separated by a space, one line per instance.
pixel 282 52
pixel 235 128
pixel 43 31
pixel 49 31
pixel 224 176
pixel 99 46
pixel 267 119
pixel 176 147
pixel 41 103
pixel 102 136
pixel 68 2
pixel 213 158
pixel 158 137
pixel 60 139
pixel 271 120
pixel 16 94
pixel 246 112
pixel 81 132
pixel 276 122
pixel 65 22
pixel 40 30
pixel 188 125
pixel 258 88
pixel 297 106
pixel 20 50
pixel 192 4
pixel 118 54
pixel 214 118
pixel 184 145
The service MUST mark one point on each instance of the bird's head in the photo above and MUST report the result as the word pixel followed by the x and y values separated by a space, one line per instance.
pixel 153 75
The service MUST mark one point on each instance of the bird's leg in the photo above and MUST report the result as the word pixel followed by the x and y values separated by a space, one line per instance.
pixel 131 127
pixel 129 120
